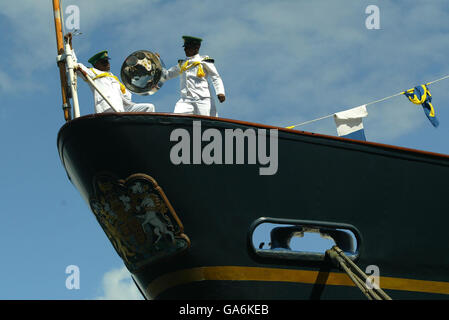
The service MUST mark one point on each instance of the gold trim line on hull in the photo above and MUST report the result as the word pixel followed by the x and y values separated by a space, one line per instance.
pixel 236 273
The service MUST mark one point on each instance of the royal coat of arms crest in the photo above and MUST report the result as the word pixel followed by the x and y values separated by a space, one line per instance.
pixel 138 219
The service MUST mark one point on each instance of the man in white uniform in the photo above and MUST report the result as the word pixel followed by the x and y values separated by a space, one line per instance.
pixel 196 94
pixel 109 85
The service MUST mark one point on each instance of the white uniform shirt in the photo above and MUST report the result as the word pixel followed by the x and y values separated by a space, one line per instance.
pixel 192 86
pixel 110 87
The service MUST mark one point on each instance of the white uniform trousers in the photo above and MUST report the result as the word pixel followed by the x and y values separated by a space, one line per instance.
pixel 137 107
pixel 204 107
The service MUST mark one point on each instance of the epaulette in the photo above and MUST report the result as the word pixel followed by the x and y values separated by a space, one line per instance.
pixel 180 61
pixel 209 60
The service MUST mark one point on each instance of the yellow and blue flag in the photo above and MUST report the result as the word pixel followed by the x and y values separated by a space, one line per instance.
pixel 421 95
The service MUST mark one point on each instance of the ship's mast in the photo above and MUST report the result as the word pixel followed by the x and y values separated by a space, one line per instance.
pixel 67 65
pixel 61 62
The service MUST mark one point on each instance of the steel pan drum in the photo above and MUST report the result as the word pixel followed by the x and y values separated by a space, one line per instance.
pixel 141 72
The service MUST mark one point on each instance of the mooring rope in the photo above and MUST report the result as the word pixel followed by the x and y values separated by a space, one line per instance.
pixel 340 260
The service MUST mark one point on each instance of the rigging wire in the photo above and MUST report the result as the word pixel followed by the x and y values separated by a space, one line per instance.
pixel 367 104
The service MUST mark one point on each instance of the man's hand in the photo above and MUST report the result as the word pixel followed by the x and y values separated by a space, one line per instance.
pixel 68 38
pixel 221 97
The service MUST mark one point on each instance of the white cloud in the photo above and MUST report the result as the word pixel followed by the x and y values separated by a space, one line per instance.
pixel 118 285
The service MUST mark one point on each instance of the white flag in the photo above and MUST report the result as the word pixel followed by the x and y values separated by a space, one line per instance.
pixel 349 123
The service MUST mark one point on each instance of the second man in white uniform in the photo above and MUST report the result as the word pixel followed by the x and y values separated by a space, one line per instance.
pixel 196 94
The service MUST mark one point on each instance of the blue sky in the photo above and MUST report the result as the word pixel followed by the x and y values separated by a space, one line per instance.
pixel 282 63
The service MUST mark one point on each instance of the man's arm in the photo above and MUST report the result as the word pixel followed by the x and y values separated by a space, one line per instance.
pixel 216 80
pixel 86 70
pixel 171 73
pixel 68 37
